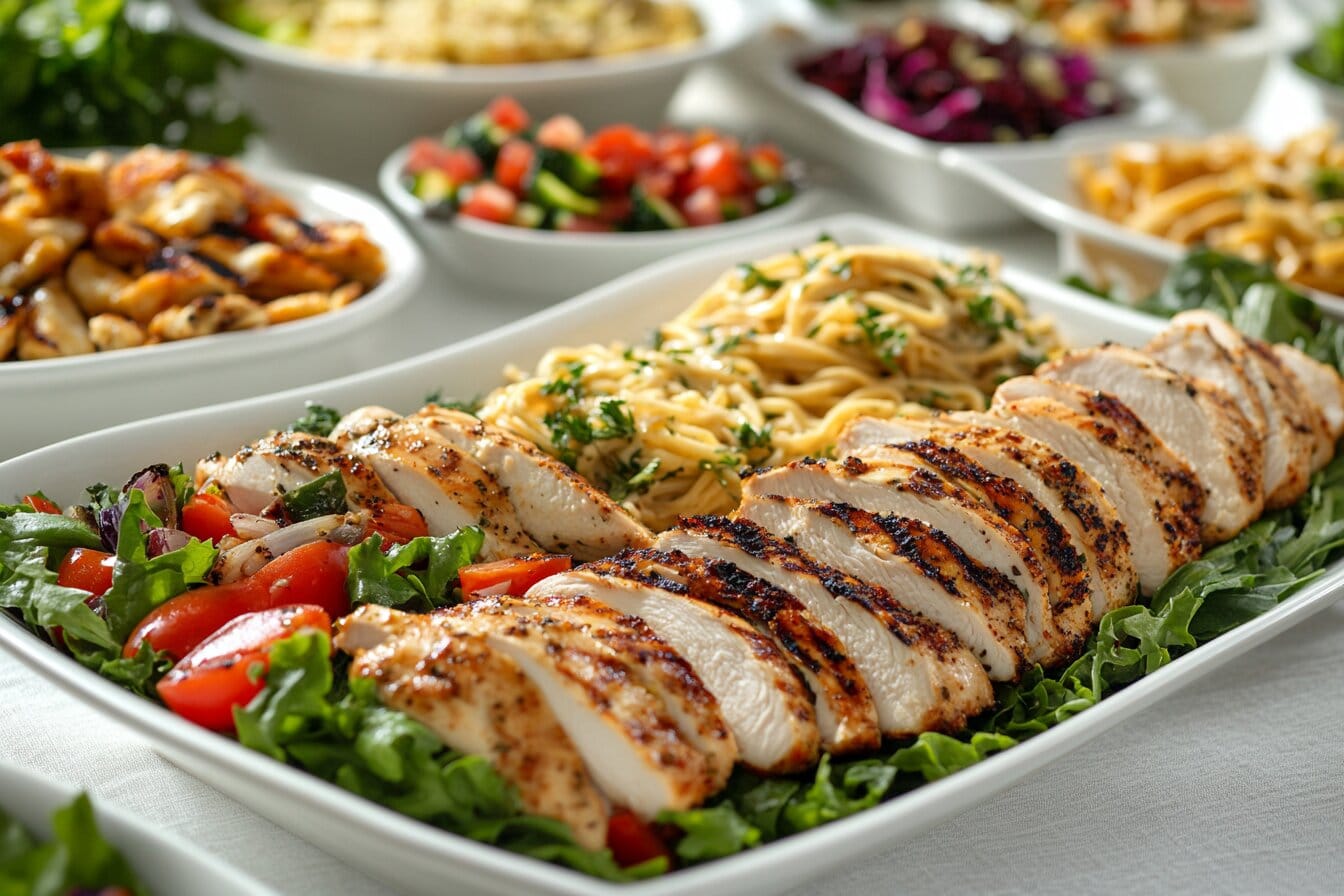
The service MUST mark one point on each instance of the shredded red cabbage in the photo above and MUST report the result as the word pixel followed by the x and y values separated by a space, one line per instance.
pixel 956 86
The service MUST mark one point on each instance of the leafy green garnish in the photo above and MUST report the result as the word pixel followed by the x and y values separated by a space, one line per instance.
pixel 568 384
pixel 77 858
pixel 323 496
pixel 1328 183
pixel 630 477
pixel 886 341
pixel 985 312
pixel 317 420
pixel 417 575
pixel 107 73
pixel 302 717
pixel 1325 57
pixel 752 277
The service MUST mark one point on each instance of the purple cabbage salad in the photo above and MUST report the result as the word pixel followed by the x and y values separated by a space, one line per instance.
pixel 953 85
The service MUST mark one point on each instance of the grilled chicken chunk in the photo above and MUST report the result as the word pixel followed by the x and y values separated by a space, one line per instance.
pixel 1200 343
pixel 449 488
pixel 886 487
pixel 1309 417
pixel 362 421
pixel 477 701
pixel 258 474
pixel 658 668
pixel 1196 419
pixel 920 676
pixel 1322 382
pixel 846 715
pixel 915 564
pixel 764 702
pixel 1065 572
pixel 556 506
pixel 1068 492
pixel 1163 534
pixel 635 749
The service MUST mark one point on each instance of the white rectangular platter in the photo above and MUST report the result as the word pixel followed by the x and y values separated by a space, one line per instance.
pixel 420 859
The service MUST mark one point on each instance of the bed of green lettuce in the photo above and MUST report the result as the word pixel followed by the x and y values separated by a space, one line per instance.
pixel 77 858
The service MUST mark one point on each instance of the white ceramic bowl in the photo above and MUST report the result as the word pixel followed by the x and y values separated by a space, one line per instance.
pixel 343 118
pixel 163 863
pixel 416 858
pixel 896 167
pixel 547 262
pixel 43 401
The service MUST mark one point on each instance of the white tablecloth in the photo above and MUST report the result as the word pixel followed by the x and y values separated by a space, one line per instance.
pixel 1234 786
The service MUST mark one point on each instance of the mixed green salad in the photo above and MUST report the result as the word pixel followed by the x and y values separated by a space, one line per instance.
pixel 76 861
pixel 290 698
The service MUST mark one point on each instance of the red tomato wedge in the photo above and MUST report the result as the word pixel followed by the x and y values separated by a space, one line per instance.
pixel 561 132
pixel 490 202
pixel 622 150
pixel 508 113
pixel 207 516
pixel 512 576
pixel 715 165
pixel 312 574
pixel 220 673
pixel 514 164
pixel 87 570
pixel 398 523
pixel 41 504
pixel 632 840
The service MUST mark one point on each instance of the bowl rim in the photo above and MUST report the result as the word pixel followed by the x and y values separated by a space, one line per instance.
pixel 396 195
pixel 745 19
pixel 405 273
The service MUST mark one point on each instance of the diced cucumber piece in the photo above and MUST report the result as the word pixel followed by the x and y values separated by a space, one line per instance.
pixel 529 215
pixel 434 186
pixel 773 195
pixel 549 191
pixel 764 170
pixel 577 171
pixel 483 137
pixel 654 213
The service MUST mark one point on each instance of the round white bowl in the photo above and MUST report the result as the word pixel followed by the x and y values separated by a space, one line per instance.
pixel 342 118
pixel 547 262
pixel 44 401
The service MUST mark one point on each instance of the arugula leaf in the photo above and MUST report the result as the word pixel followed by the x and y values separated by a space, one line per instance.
pixel 387 580
pixel 1325 57
pixel 711 833
pixel 317 419
pixel 77 858
pixel 323 496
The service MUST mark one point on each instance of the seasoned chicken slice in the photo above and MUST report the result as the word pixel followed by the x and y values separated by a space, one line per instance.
pixel 53 326
pixel 633 750
pixel 920 676
pixel 655 665
pixel 362 421
pixel 1069 493
pixel 902 490
pixel 764 702
pixel 1164 535
pixel 1200 343
pixel 1065 572
pixel 1323 385
pixel 556 506
pixel 1308 416
pixel 478 701
pixel 1196 419
pixel 846 715
pixel 915 564
pixel 449 488
pixel 259 473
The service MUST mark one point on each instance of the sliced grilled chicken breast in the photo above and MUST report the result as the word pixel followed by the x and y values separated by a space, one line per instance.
pixel 1196 419
pixel 1162 534
pixel 920 676
pixel 1308 416
pixel 361 422
pixel 258 474
pixel 1070 586
pixel 1323 385
pixel 556 506
pixel 917 565
pixel 1062 487
pixel 846 715
pixel 657 667
pixel 449 488
pixel 1185 346
pixel 886 487
pixel 476 700
pixel 765 703
pixel 633 750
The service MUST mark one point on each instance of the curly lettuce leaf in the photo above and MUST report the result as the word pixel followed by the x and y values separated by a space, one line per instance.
pixel 77 858
pixel 416 575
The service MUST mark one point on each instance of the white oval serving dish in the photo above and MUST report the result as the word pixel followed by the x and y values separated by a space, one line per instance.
pixel 343 118
pixel 43 401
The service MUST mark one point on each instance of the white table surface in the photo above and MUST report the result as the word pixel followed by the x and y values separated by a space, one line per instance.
pixel 1234 786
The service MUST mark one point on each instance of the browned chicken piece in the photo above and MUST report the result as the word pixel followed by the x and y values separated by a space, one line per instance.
pixel 270 272
pixel 173 278
pixel 478 701
pixel 53 326
pixel 50 242
pixel 136 180
pixel 36 184
pixel 125 244
pixel 340 246
pixel 655 665
pixel 207 315
pixel 297 307
pixel 1323 384
pixel 94 283
pixel 12 313
pixel 1306 414
pixel 112 332
pixel 193 204
pixel 361 422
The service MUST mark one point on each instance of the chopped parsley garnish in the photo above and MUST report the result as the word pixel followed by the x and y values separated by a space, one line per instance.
pixel 887 342
pixel 317 419
pixel 983 311
pixel 569 384
pixel 616 422
pixel 1328 183
pixel 752 277
pixel 630 477
pixel 471 406
pixel 571 429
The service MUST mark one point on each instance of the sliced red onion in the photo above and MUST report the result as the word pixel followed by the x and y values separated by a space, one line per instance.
pixel 160 495
pixel 109 525
pixel 165 541
pixel 250 556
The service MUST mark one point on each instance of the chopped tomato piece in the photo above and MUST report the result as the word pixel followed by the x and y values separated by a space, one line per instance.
pixel 615 209
pixel 715 165
pixel 398 523
pixel 511 576
pixel 703 207
pixel 425 155
pixel 207 516
pixel 766 162
pixel 460 163
pixel 87 570
pixel 225 670
pixel 582 224
pixel 312 574
pixel 514 164
pixel 622 151
pixel 674 151
pixel 632 840
pixel 41 504
pixel 508 113
pixel 490 202
pixel 561 132
pixel 461 166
